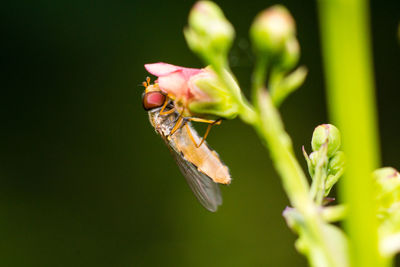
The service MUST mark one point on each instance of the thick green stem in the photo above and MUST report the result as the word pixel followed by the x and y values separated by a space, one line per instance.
pixel 350 85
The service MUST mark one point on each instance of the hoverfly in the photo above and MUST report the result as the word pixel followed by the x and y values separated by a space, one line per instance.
pixel 199 164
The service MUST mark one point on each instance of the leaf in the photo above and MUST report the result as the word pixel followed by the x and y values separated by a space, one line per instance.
pixel 288 85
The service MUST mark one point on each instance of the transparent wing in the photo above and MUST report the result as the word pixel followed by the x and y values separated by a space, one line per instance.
pixel 206 191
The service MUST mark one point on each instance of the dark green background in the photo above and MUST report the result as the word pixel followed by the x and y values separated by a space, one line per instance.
pixel 85 181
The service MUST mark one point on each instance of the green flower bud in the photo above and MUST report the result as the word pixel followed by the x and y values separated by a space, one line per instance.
pixel 388 181
pixel 326 133
pixel 209 32
pixel 336 163
pixel 386 173
pixel 291 54
pixel 271 30
pixel 335 170
pixel 219 101
pixel 388 204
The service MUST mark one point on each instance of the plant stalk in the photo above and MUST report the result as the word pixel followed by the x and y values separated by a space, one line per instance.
pixel 271 131
pixel 350 91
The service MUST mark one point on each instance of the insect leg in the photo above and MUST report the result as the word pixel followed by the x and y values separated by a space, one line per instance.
pixel 162 112
pixel 210 124
pixel 213 122
pixel 190 134
pixel 177 125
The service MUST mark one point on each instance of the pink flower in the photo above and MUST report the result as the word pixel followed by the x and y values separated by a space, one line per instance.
pixel 178 82
pixel 197 92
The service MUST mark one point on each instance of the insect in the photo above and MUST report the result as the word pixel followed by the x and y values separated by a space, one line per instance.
pixel 199 164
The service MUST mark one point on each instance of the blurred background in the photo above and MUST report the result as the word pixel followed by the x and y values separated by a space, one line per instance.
pixel 84 179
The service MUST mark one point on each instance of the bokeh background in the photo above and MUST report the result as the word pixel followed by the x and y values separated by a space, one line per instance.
pixel 85 181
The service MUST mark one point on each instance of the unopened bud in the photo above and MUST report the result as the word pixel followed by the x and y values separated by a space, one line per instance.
pixel 336 163
pixel 272 29
pixel 209 32
pixel 219 102
pixel 386 173
pixel 290 55
pixel 387 191
pixel 326 133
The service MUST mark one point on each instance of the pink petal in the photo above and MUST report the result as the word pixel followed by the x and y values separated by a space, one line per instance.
pixel 161 69
pixel 188 72
pixel 196 92
pixel 175 84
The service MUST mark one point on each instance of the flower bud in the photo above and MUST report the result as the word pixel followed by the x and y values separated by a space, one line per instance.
pixel 388 208
pixel 291 54
pixel 209 32
pixel 388 180
pixel 271 30
pixel 386 173
pixel 388 193
pixel 335 170
pixel 326 133
pixel 219 102
pixel 336 163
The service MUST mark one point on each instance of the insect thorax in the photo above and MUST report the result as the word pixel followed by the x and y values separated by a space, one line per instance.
pixel 163 124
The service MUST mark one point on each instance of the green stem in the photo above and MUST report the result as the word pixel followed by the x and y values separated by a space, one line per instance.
pixel 334 213
pixel 275 79
pixel 318 184
pixel 271 131
pixel 258 79
pixel 350 91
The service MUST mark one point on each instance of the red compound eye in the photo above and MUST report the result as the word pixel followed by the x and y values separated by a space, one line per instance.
pixel 153 100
